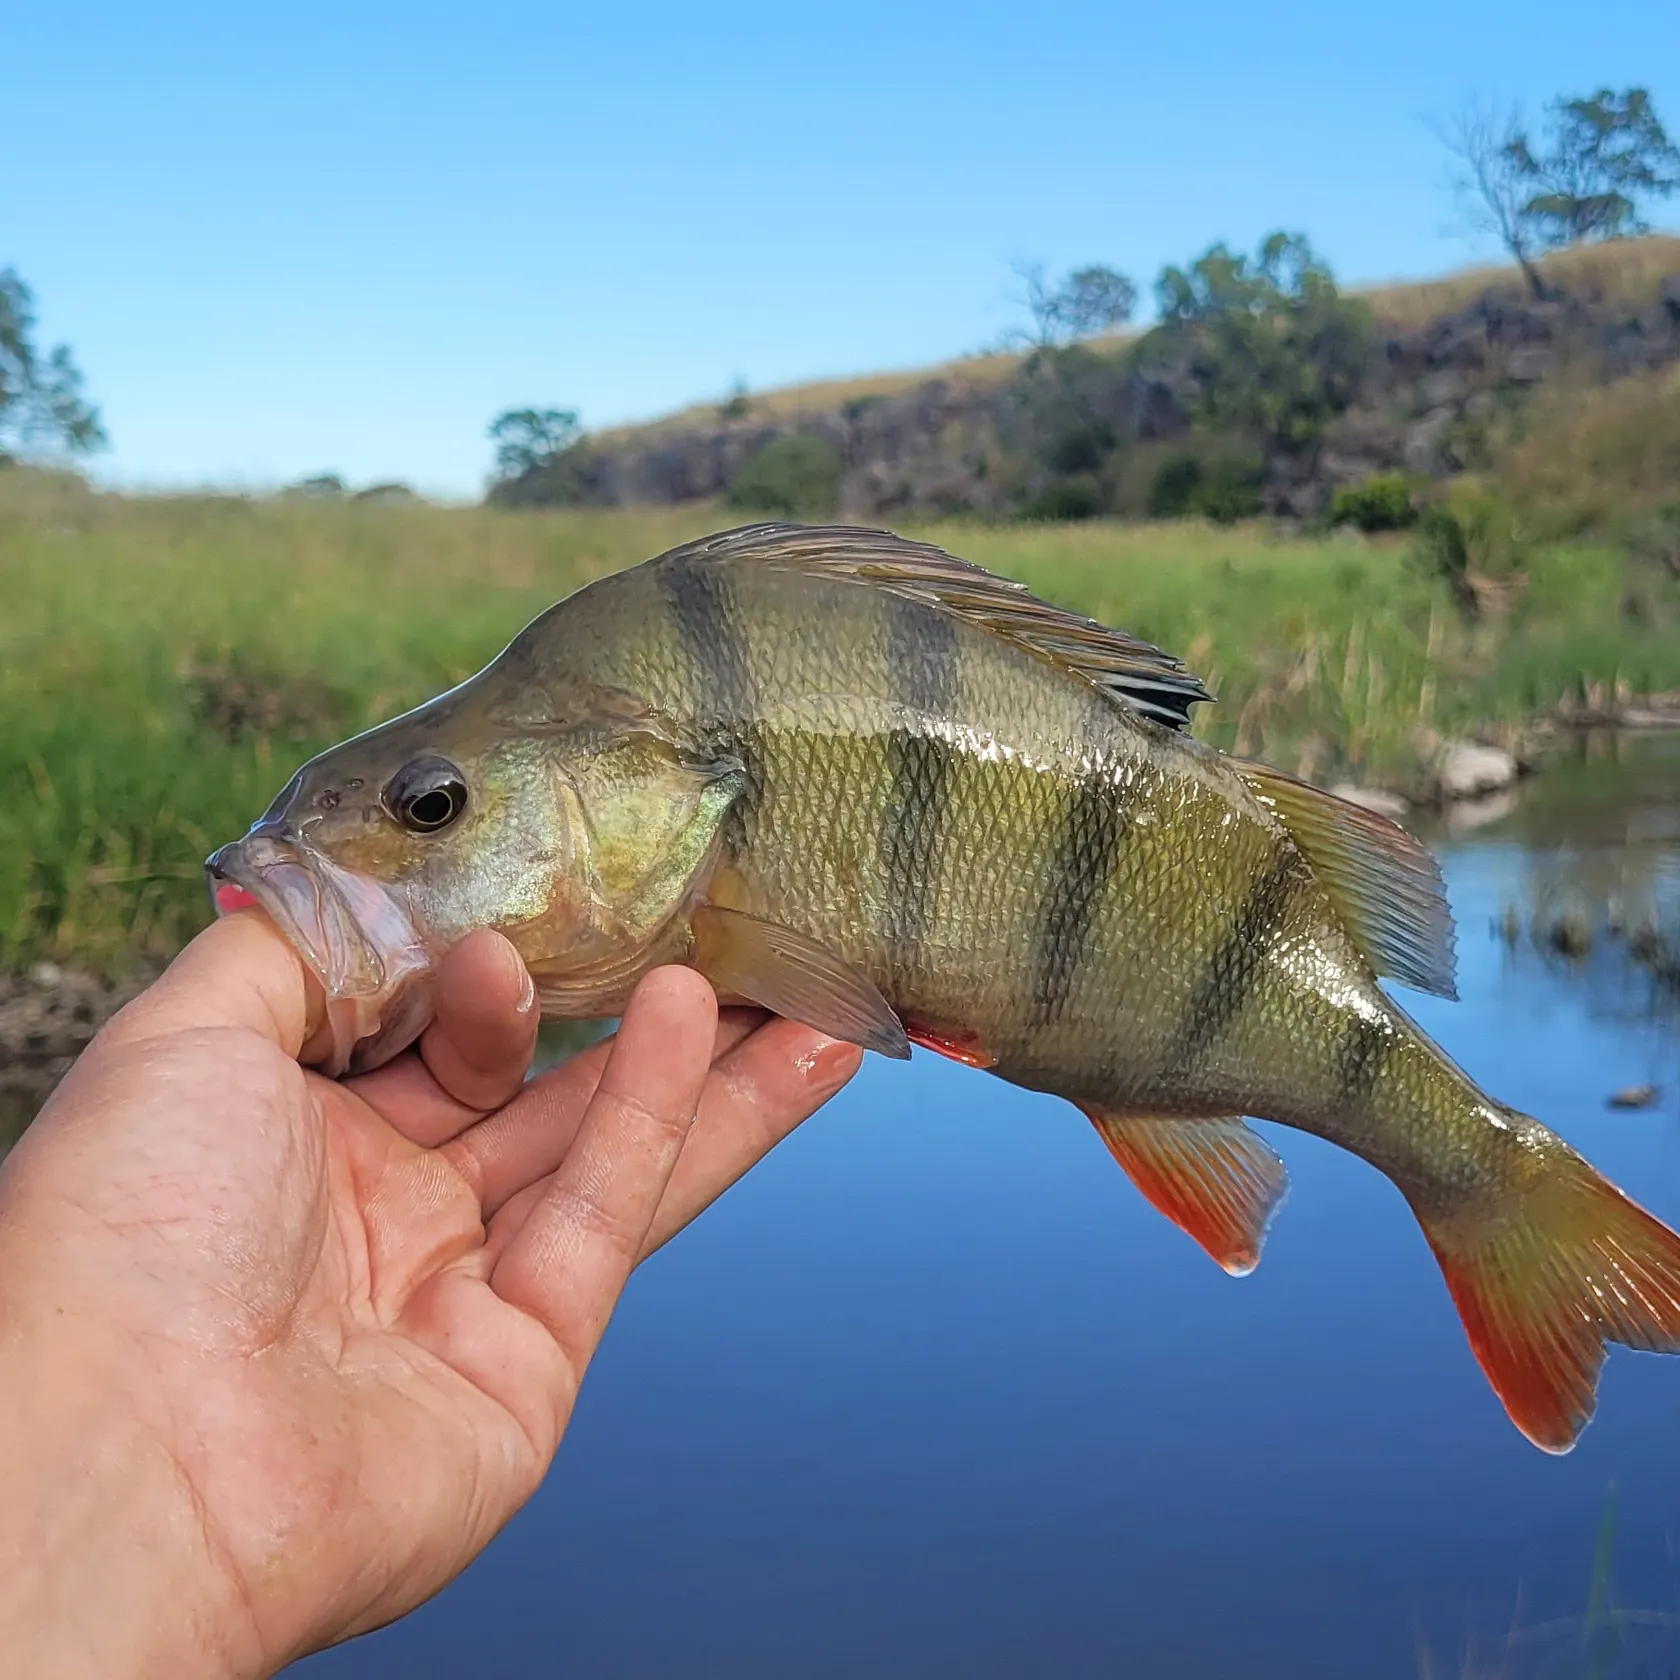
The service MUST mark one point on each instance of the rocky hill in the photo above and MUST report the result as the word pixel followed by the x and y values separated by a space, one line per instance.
pixel 1442 367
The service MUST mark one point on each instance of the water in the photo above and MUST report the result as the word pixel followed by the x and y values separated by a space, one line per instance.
pixel 935 1392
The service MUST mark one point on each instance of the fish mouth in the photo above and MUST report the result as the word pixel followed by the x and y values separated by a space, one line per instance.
pixel 356 934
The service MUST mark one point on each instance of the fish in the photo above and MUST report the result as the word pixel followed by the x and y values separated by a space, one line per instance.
pixel 866 785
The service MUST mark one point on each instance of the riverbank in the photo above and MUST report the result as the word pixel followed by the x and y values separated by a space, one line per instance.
pixel 166 662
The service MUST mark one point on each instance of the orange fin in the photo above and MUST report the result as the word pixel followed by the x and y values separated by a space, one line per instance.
pixel 1214 1179
pixel 784 971
pixel 1544 1286
pixel 950 1042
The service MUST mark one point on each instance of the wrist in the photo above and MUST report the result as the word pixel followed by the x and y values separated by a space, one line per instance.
pixel 106 1565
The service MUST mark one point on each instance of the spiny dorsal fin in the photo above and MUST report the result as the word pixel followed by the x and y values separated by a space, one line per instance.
pixel 1386 885
pixel 1132 672
pixel 1216 1180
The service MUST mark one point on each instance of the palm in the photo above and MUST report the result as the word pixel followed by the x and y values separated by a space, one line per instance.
pixel 364 1310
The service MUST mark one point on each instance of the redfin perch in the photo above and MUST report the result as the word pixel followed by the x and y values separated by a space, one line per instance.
pixel 876 789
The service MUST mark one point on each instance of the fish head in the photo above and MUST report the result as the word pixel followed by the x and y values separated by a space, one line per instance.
pixel 575 831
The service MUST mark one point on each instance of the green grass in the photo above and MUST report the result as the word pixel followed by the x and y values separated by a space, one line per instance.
pixel 166 663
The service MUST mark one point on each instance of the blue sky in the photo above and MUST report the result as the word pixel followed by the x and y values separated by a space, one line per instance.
pixel 285 240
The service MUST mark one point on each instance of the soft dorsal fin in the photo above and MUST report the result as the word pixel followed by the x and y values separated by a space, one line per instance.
pixel 1132 672
pixel 1384 882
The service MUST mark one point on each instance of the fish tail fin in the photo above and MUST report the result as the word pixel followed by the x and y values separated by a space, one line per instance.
pixel 1544 1284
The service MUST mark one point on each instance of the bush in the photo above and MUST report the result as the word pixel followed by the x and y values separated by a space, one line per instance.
pixel 1173 493
pixel 1078 496
pixel 1382 503
pixel 790 478
pixel 1229 491
pixel 1224 489
pixel 1474 542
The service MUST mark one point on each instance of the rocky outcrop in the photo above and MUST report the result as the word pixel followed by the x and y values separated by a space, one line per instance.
pixel 946 444
pixel 1428 389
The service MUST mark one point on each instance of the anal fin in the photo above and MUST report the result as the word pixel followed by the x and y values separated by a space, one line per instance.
pixel 1216 1180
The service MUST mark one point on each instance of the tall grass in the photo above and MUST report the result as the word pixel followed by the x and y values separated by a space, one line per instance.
pixel 166 663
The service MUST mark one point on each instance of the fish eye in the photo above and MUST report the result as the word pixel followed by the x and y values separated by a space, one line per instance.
pixel 427 795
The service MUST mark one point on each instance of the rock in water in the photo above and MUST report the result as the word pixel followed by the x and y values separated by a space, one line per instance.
pixel 1468 769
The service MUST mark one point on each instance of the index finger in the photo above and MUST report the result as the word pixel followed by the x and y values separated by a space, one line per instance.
pixel 567 1263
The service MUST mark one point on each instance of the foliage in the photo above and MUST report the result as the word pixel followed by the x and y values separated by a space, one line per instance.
pixel 318 486
pixel 791 477
pixel 1382 502
pixel 1588 176
pixel 1223 488
pixel 1172 493
pixel 42 402
pixel 1602 159
pixel 1077 496
pixel 1274 350
pixel 1084 303
pixel 1474 541
pixel 528 439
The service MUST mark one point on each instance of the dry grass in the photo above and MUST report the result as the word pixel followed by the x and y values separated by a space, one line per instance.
pixel 825 395
pixel 1598 451
pixel 1625 271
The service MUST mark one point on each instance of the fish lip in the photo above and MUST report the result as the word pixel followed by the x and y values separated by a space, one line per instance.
pixel 354 933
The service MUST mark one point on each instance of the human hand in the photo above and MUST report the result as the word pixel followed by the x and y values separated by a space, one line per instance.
pixel 282 1355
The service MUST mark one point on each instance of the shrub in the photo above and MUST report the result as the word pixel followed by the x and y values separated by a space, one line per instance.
pixel 1173 492
pixel 1474 542
pixel 792 477
pixel 1382 503
pixel 1224 489
pixel 1229 491
pixel 1078 496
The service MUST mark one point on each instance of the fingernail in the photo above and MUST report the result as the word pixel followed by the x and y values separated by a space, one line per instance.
pixel 527 990
pixel 832 1064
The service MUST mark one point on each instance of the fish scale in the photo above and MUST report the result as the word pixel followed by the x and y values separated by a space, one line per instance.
pixel 867 786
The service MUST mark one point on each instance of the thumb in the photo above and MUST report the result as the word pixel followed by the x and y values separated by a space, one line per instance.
pixel 239 972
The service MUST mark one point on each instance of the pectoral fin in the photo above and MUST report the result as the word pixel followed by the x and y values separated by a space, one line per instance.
pixel 1214 1179
pixel 783 971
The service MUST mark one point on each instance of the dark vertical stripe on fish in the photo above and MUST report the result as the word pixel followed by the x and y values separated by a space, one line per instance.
pixel 1087 849
pixel 1239 961
pixel 922 665
pixel 1360 1058
pixel 703 610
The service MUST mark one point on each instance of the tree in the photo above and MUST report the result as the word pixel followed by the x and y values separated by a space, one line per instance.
pixel 1606 156
pixel 1587 177
pixel 529 438
pixel 1274 350
pixel 1084 303
pixel 1490 181
pixel 42 403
